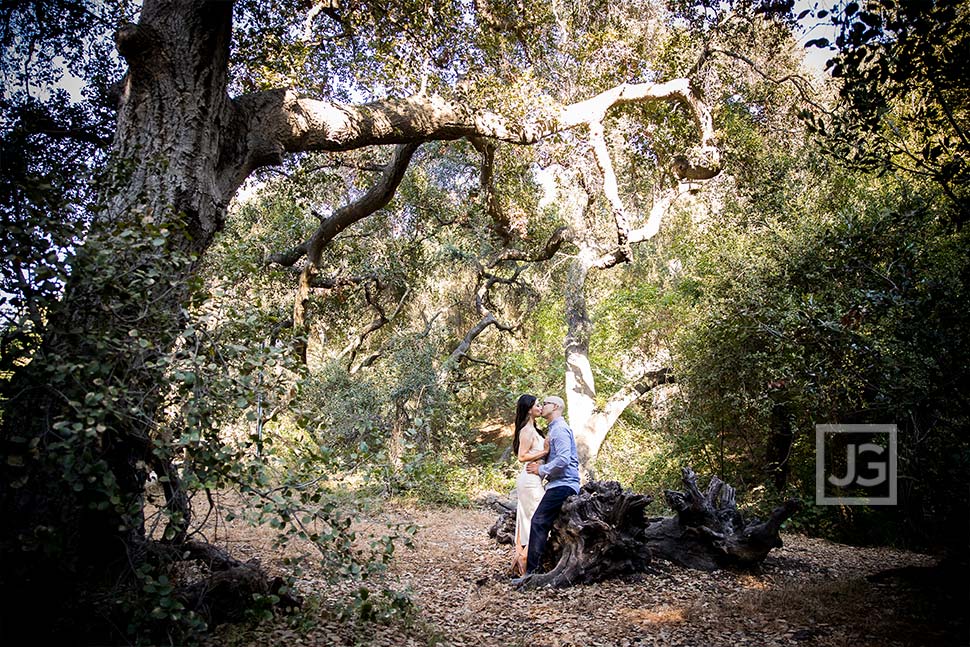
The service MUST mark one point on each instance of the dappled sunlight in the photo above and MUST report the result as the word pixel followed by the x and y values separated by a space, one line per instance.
pixel 750 582
pixel 661 615
pixel 218 274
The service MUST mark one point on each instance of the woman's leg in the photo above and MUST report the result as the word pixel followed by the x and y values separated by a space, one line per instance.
pixel 519 555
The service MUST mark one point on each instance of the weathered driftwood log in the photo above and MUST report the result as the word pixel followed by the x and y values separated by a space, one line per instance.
pixel 709 531
pixel 602 532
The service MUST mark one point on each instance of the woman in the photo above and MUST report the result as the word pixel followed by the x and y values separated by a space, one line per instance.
pixel 528 445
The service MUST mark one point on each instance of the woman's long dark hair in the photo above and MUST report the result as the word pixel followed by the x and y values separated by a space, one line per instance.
pixel 521 417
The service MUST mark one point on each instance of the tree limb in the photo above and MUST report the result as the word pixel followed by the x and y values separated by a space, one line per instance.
pixel 632 391
pixel 548 250
pixel 657 212
pixel 375 199
pixel 486 281
pixel 462 349
pixel 622 253
pixel 610 187
pixel 379 322
pixel 290 256
pixel 802 85
pixel 489 198
pixel 281 121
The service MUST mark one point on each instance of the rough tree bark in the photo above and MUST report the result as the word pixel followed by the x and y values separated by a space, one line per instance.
pixel 182 148
pixel 177 163
pixel 602 532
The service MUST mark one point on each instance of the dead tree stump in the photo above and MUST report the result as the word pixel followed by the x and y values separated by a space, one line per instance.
pixel 599 535
pixel 602 532
pixel 709 531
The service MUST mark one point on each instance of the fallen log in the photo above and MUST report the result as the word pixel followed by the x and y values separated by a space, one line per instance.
pixel 603 533
pixel 503 530
pixel 225 587
pixel 709 531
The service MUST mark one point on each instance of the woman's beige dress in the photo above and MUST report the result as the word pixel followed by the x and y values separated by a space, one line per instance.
pixel 529 490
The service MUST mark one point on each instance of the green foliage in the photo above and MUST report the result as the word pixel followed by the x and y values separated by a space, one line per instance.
pixel 452 481
pixel 156 608
pixel 389 606
pixel 42 216
pixel 839 316
pixel 641 457
pixel 903 94
pixel 801 292
pixel 220 376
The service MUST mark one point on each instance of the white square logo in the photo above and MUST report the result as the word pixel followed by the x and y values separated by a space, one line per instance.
pixel 855 465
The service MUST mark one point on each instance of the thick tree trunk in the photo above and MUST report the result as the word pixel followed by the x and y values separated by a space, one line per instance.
pixel 86 405
pixel 592 424
pixel 580 384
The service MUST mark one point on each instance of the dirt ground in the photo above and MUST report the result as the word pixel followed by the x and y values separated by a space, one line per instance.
pixel 811 592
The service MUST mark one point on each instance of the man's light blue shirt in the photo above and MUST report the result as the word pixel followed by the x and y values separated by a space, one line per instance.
pixel 562 464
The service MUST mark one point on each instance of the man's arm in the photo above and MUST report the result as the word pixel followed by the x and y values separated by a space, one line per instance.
pixel 558 457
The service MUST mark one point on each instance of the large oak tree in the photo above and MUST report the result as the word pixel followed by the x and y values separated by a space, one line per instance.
pixel 80 418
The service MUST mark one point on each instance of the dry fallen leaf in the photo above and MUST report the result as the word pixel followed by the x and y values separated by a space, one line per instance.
pixel 809 593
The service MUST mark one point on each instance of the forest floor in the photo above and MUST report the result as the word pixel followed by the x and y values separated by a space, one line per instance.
pixel 811 592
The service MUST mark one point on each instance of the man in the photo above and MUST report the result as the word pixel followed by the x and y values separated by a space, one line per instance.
pixel 562 473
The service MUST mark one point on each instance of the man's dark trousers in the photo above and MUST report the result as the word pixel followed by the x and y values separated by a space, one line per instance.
pixel 543 519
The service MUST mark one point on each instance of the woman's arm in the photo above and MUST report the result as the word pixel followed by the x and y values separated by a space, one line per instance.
pixel 525 441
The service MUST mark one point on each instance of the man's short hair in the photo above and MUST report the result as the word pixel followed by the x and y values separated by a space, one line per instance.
pixel 556 400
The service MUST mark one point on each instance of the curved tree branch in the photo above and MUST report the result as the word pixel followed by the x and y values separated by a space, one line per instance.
pixel 486 281
pixel 382 319
pixel 802 85
pixel 548 250
pixel 375 199
pixel 632 391
pixel 281 121
pixel 489 198
pixel 610 187
pixel 450 365
pixel 290 256
pixel 590 437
